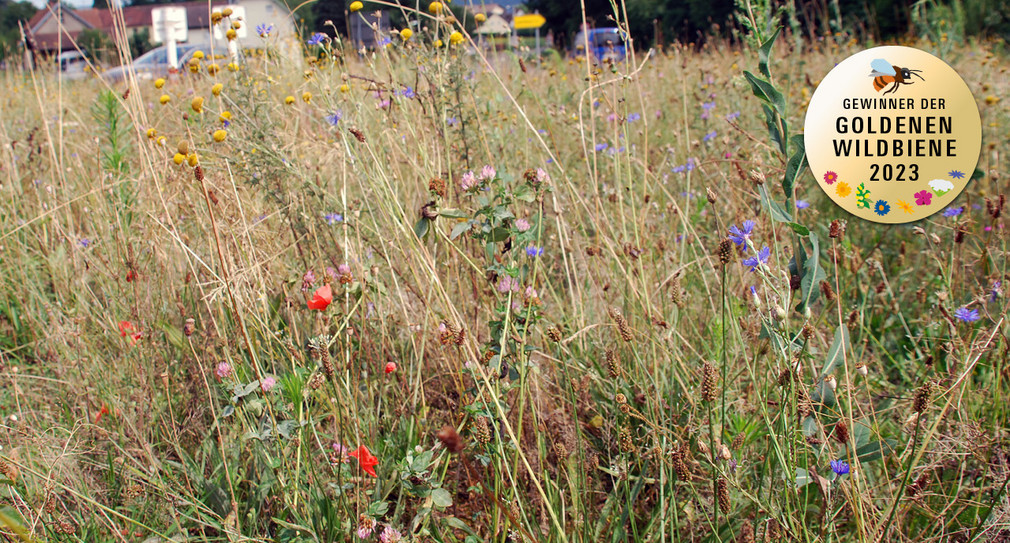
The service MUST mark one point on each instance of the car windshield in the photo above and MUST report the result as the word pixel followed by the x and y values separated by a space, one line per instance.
pixel 153 58
pixel 601 38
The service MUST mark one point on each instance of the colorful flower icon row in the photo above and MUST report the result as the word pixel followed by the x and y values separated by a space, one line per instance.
pixel 922 198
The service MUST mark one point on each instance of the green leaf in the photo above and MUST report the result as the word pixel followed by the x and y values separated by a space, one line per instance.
pixel 876 450
pixel 459 229
pixel 765 53
pixel 441 498
pixel 776 211
pixel 452 213
pixel 766 92
pixel 798 228
pixel 459 525
pixel 500 234
pixel 813 274
pixel 795 167
pixel 421 227
pixel 838 346
pixel 977 174
pixel 227 411
pixel 773 127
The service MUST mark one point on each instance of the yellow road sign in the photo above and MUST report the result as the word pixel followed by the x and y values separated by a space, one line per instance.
pixel 533 20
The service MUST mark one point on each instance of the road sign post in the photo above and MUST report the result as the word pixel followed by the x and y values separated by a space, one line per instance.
pixel 169 26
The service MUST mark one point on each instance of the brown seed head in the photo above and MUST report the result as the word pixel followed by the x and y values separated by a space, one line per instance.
pixel 708 382
pixel 725 251
pixel 450 439
pixel 837 229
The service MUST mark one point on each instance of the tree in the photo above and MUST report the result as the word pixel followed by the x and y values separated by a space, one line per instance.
pixel 10 14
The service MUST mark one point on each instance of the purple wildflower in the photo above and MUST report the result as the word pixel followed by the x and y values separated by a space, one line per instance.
pixel 264 29
pixel 533 251
pixel 317 39
pixel 802 204
pixel 757 260
pixel 964 314
pixel 522 225
pixel 488 173
pixel 953 211
pixel 956 174
pixel 333 218
pixel 334 118
pixel 840 467
pixel 468 181
pixel 741 235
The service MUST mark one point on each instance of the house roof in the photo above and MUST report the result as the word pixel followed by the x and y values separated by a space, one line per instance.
pixel 197 14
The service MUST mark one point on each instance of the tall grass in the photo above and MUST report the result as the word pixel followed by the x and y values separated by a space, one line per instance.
pixel 563 346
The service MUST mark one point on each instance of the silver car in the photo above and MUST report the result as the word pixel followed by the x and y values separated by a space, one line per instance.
pixel 154 63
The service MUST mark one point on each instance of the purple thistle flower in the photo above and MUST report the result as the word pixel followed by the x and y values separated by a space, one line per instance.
pixel 741 235
pixel 964 314
pixel 758 259
pixel 840 467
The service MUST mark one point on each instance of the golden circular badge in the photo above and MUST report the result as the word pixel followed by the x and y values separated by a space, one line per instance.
pixel 892 134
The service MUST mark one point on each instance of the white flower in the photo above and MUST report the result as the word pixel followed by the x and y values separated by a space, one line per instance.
pixel 941 186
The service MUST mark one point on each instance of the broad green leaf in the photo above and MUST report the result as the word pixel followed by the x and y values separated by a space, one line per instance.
pixel 459 229
pixel 840 343
pixel 813 274
pixel 766 92
pixel 876 450
pixel 798 228
pixel 441 498
pixel 421 227
pixel 774 209
pixel 765 53
pixel 452 213
pixel 795 167
pixel 772 123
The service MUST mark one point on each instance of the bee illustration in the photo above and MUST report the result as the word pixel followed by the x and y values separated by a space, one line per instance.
pixel 885 74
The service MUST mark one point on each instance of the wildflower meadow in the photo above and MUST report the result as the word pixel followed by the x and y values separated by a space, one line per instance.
pixel 432 292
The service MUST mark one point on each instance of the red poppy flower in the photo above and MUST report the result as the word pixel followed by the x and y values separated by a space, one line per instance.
pixel 390 367
pixel 321 298
pixel 365 460
pixel 126 328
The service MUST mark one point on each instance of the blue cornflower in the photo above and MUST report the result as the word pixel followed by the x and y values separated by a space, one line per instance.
pixel 601 147
pixel 317 39
pixel 881 208
pixel 533 251
pixel 264 29
pixel 956 174
pixel 741 235
pixel 840 467
pixel 333 218
pixel 802 204
pixel 952 211
pixel 708 106
pixel 710 136
pixel 964 314
pixel 758 259
pixel 408 92
pixel 632 117
pixel 335 117
pixel 997 289
pixel 690 164
pixel 732 116
pixel 452 121
pixel 679 169
pixel 84 243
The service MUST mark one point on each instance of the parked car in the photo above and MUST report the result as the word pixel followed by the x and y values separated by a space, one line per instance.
pixel 73 64
pixel 154 63
pixel 604 43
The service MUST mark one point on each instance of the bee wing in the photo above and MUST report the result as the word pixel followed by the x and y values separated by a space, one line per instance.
pixel 881 67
